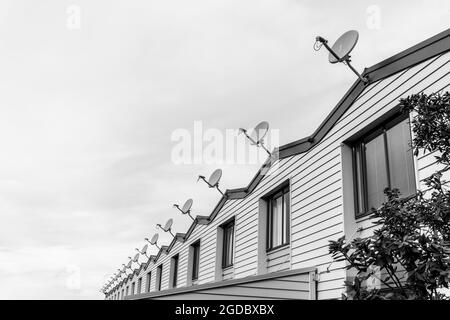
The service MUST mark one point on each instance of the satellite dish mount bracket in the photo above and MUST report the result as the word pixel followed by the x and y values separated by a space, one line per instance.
pixel 187 212
pixel 209 185
pixel 256 143
pixel 346 59
pixel 168 230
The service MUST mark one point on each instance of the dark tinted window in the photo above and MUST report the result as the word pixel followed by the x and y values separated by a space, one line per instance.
pixel 383 159
pixel 228 244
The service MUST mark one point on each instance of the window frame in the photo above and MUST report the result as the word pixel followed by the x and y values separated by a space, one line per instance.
pixel 148 284
pixel 159 271
pixel 175 260
pixel 139 286
pixel 227 246
pixel 283 191
pixel 195 261
pixel 359 143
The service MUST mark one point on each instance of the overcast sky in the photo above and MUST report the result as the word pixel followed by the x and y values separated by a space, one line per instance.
pixel 88 107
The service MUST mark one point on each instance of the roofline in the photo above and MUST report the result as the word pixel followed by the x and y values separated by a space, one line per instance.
pixel 407 58
pixel 178 237
pixel 410 57
pixel 162 250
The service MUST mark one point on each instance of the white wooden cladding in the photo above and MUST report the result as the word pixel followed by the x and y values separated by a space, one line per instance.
pixel 228 273
pixel 316 195
pixel 279 260
pixel 297 284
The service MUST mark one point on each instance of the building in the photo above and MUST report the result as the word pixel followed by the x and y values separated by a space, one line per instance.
pixel 270 238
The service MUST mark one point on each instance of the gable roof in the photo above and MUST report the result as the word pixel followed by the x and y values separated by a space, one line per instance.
pixel 421 52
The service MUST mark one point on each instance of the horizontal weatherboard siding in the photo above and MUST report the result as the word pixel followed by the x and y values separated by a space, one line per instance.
pixel 296 284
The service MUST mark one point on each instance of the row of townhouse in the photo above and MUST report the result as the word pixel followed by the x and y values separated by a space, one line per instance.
pixel 270 239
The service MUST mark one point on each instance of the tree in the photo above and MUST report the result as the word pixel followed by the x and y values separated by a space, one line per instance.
pixel 410 248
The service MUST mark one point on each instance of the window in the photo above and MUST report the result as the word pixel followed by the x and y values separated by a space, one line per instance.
pixel 228 243
pixel 158 277
pixel 149 281
pixel 381 159
pixel 139 288
pixel 195 260
pixel 126 291
pixel 278 219
pixel 174 270
pixel 133 286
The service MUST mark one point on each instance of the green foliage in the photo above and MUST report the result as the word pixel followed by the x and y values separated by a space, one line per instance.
pixel 411 244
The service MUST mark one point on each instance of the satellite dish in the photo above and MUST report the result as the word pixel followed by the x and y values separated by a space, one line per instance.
pixel 168 225
pixel 259 132
pixel 186 209
pixel 154 239
pixel 340 51
pixel 215 178
pixel 187 206
pixel 136 258
pixel 144 249
pixel 213 181
pixel 343 46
